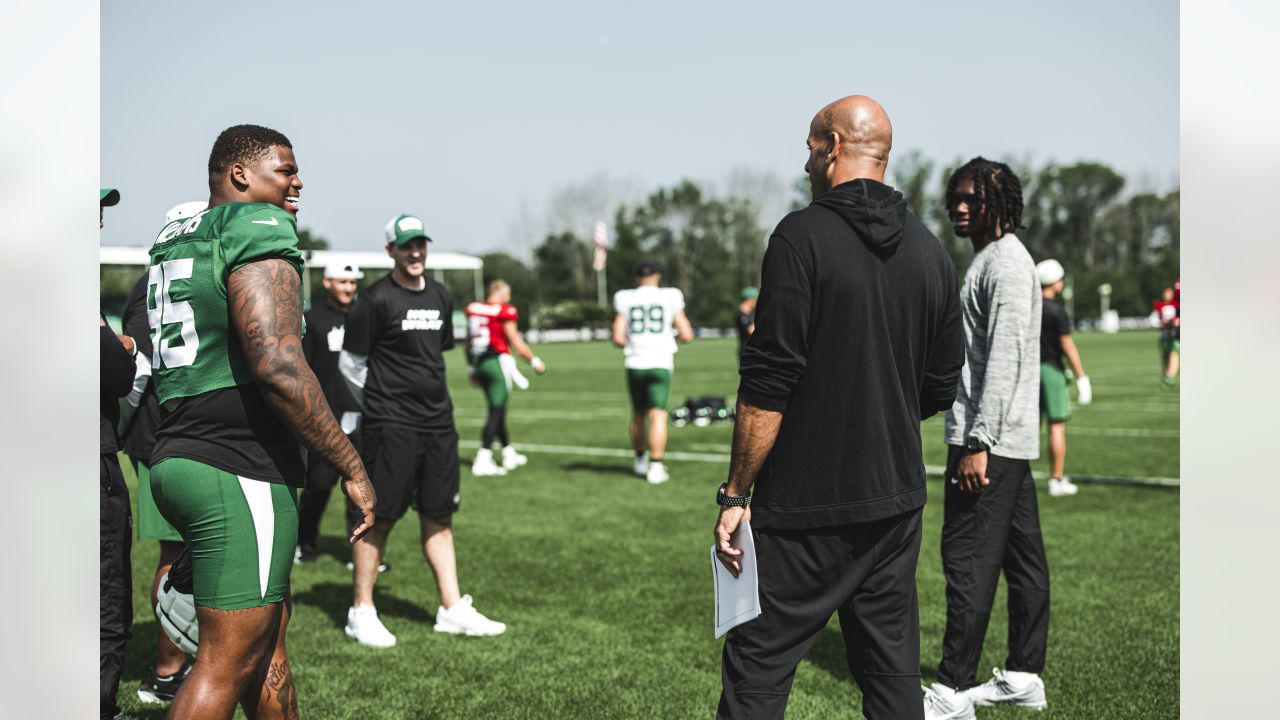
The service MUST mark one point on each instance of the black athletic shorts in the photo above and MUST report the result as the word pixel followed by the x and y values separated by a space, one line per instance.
pixel 411 466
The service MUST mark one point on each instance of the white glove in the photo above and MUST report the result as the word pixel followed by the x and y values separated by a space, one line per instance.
pixel 1084 390
pixel 537 364
pixel 141 377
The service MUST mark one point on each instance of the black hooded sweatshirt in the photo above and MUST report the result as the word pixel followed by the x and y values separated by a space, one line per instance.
pixel 858 338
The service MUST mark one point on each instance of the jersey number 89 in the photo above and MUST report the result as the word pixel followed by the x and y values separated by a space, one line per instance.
pixel 169 312
pixel 646 319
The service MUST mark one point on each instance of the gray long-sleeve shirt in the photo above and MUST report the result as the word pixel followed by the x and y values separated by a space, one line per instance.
pixel 999 395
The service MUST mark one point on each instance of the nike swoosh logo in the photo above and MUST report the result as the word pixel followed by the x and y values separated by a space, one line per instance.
pixel 272 221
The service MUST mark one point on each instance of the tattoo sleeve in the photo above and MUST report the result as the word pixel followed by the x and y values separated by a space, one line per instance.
pixel 266 310
pixel 754 433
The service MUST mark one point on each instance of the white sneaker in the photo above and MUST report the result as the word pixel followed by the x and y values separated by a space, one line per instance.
pixel 1061 487
pixel 657 474
pixel 364 627
pixel 463 619
pixel 512 459
pixel 642 465
pixel 1023 689
pixel 484 466
pixel 943 703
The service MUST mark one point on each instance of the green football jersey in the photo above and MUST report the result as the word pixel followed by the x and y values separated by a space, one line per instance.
pixel 196 348
pixel 211 410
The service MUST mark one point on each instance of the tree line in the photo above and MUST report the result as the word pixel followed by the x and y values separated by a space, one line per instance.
pixel 710 242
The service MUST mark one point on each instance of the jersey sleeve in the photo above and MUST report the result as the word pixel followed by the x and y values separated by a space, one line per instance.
pixel 508 313
pixel 263 233
pixel 620 302
pixel 362 325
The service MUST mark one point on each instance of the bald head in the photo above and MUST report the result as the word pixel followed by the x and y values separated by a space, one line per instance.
pixel 848 139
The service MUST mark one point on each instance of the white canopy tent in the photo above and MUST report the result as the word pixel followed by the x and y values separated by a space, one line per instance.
pixel 437 261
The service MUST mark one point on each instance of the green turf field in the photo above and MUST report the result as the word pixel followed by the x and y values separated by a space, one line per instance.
pixel 605 584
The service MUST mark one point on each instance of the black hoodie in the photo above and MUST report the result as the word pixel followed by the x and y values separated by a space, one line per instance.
pixel 858 338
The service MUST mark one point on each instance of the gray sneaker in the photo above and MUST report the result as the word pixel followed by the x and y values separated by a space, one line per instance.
pixel 1022 689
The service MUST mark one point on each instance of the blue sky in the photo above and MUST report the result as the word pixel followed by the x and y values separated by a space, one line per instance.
pixel 473 115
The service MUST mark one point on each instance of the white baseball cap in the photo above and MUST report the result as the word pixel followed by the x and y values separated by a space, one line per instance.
pixel 185 210
pixel 1049 271
pixel 343 271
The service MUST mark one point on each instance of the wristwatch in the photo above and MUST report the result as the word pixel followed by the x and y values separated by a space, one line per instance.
pixel 973 444
pixel 724 499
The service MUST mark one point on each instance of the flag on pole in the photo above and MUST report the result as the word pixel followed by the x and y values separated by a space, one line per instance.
pixel 602 243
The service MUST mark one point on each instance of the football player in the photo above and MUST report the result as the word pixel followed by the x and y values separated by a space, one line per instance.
pixel 642 327
pixel 224 300
pixel 492 335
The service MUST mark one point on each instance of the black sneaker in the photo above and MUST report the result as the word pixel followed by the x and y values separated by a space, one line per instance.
pixel 304 554
pixel 156 689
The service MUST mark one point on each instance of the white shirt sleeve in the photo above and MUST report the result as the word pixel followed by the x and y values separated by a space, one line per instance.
pixel 677 300
pixel 355 370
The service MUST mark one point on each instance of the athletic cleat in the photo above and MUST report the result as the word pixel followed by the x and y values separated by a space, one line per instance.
pixel 364 627
pixel 304 554
pixel 463 619
pixel 657 473
pixel 484 466
pixel 512 459
pixel 642 465
pixel 157 689
pixel 1062 487
pixel 943 703
pixel 383 566
pixel 1023 689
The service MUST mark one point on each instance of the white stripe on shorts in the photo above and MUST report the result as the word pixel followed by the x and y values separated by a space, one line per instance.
pixel 258 494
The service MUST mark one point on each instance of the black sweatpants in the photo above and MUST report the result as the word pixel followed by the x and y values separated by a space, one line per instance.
pixel 115 614
pixel 983 534
pixel 321 479
pixel 864 572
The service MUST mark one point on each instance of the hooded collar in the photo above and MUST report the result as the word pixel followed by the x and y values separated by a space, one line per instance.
pixel 875 212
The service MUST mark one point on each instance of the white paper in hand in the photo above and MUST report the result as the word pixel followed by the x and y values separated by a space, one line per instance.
pixel 737 598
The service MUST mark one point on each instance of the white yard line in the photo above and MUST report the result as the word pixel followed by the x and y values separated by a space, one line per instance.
pixel 723 458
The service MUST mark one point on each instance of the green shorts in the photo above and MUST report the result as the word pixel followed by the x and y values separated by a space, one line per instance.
pixel 649 388
pixel 1053 394
pixel 241 531
pixel 488 373
pixel 151 524
pixel 1169 345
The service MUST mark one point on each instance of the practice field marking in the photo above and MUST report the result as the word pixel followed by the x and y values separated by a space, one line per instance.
pixel 1121 432
pixel 723 458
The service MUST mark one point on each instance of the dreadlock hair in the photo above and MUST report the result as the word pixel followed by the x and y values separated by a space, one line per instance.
pixel 242 144
pixel 997 188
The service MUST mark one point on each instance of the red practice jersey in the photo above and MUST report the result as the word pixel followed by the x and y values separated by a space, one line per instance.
pixel 484 327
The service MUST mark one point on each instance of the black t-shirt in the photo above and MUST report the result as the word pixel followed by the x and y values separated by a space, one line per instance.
pixel 139 433
pixel 232 429
pixel 1054 325
pixel 404 333
pixel 321 345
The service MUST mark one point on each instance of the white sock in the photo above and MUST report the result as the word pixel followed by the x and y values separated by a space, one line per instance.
pixel 1018 677
pixel 484 455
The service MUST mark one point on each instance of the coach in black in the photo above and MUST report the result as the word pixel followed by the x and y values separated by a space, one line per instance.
pixel 393 359
pixel 326 322
pixel 115 596
pixel 857 339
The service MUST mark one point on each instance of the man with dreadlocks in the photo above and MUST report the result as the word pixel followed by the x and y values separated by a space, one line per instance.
pixel 990 520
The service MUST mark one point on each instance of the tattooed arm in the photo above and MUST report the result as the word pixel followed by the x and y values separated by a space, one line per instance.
pixel 266 309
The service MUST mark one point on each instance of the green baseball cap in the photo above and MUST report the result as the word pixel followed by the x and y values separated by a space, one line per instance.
pixel 750 293
pixel 108 197
pixel 404 228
